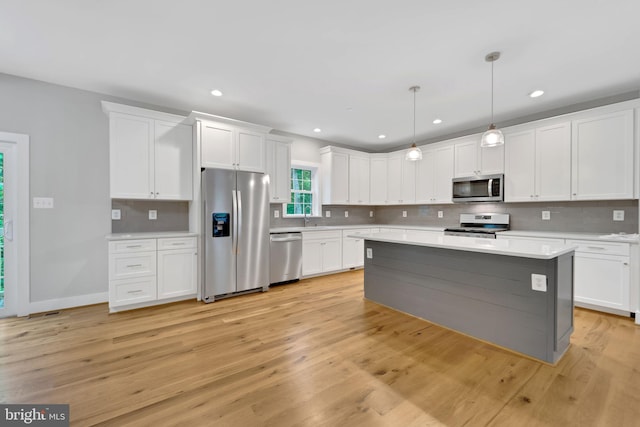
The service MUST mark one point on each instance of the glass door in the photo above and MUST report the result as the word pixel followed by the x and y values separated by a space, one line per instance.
pixel 8 255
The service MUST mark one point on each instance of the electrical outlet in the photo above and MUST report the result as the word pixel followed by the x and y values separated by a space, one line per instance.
pixel 327 214
pixel 276 214
pixel 346 214
pixel 370 214
pixel 404 214
pixel 440 214
pixel 539 282
pixel 115 214
pixel 43 203
pixel 369 253
pixel 153 214
pixel 618 215
pixel 546 215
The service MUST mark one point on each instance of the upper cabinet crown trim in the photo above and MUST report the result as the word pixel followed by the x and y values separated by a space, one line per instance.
pixel 112 107
pixel 197 115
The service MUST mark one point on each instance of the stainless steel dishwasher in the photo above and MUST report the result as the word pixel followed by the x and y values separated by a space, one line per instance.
pixel 285 251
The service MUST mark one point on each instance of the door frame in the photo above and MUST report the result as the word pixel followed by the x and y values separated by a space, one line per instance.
pixel 21 221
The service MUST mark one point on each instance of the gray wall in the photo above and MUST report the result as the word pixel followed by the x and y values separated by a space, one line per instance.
pixel 69 161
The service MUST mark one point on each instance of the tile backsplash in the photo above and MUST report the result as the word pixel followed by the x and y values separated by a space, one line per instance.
pixel 580 216
pixel 134 216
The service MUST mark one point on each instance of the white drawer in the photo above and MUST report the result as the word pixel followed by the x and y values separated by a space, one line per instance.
pixel 127 265
pixel 321 235
pixel 598 247
pixel 132 291
pixel 354 231
pixel 129 246
pixel 177 243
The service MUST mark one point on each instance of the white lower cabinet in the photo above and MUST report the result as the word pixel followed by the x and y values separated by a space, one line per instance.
pixel 150 271
pixel 601 274
pixel 353 247
pixel 321 252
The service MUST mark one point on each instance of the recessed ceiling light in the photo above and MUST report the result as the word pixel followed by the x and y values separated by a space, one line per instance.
pixel 536 93
pixel 216 92
pixel 381 136
pixel 317 130
pixel 437 121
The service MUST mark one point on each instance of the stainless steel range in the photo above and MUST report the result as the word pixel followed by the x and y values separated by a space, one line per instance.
pixel 480 225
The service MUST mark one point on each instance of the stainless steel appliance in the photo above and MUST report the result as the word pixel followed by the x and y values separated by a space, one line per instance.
pixel 480 225
pixel 285 252
pixel 485 188
pixel 236 232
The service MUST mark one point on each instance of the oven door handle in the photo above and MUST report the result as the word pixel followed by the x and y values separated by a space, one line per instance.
pixel 490 187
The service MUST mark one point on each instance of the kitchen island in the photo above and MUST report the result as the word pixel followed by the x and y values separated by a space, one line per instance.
pixel 514 294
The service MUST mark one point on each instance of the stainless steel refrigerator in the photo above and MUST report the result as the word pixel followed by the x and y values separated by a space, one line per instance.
pixel 236 232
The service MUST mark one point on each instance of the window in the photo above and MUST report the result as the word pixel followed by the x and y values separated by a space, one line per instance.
pixel 304 191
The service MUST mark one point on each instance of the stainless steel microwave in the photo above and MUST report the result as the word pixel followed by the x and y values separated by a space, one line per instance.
pixel 483 188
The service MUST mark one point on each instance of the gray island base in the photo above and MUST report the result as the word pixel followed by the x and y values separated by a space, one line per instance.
pixel 486 295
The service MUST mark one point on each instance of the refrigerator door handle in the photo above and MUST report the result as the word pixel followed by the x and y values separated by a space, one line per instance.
pixel 235 222
pixel 239 216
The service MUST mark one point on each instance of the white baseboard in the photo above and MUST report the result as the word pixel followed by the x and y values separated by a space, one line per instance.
pixel 60 303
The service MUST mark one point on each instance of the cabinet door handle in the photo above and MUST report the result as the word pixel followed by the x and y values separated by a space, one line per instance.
pixel 134 265
pixel 599 248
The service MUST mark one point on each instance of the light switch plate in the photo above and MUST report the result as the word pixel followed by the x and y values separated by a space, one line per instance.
pixel 370 214
pixel 618 215
pixel 546 215
pixel 346 214
pixel 440 214
pixel 327 214
pixel 276 214
pixel 43 203
pixel 153 214
pixel 369 253
pixel 115 214
pixel 404 214
pixel 539 282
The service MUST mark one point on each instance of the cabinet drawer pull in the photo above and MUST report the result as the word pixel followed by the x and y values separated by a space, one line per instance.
pixel 178 244
pixel 137 291
pixel 598 248
pixel 134 265
pixel 133 246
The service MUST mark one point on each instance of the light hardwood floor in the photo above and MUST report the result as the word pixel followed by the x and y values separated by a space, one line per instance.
pixel 313 353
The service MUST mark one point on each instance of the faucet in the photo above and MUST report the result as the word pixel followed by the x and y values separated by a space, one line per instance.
pixel 306 219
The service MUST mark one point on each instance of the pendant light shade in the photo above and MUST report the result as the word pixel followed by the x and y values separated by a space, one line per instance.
pixel 493 136
pixel 414 153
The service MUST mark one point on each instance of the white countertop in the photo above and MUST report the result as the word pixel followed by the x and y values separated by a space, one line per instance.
pixel 518 248
pixel 349 227
pixel 150 235
pixel 604 237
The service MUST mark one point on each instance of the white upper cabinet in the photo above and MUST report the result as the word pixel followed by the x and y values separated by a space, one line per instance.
pixel 401 179
pixel 278 166
pixel 471 159
pixel 173 153
pixel 603 157
pixel 538 164
pixel 228 147
pixel 358 179
pixel 378 179
pixel 335 176
pixel 434 174
pixel 150 154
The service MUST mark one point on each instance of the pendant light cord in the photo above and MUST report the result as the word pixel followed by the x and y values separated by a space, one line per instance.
pixel 491 91
pixel 414 115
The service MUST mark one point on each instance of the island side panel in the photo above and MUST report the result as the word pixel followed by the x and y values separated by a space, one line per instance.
pixel 483 295
pixel 564 304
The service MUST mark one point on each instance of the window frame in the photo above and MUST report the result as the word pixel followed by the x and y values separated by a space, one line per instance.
pixel 315 189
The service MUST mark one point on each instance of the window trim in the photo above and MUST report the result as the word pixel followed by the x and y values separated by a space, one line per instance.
pixel 315 189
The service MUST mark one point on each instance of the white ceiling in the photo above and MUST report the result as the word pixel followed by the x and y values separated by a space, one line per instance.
pixel 343 66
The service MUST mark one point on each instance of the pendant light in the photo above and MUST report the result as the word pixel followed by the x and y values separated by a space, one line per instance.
pixel 414 153
pixel 492 137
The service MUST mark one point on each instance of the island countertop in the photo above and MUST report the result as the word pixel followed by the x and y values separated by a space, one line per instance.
pixel 517 248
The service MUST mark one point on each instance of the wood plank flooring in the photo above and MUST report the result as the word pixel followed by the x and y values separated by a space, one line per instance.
pixel 313 353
